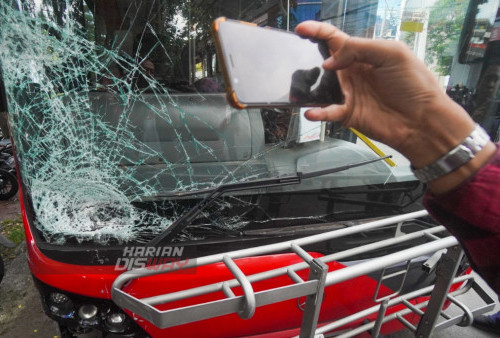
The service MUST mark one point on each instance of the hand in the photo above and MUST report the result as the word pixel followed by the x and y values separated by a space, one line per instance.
pixel 392 97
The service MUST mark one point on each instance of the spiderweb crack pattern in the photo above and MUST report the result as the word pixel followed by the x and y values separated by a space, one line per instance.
pixel 85 155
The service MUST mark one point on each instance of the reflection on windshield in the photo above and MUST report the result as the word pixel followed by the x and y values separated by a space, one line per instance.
pixel 114 102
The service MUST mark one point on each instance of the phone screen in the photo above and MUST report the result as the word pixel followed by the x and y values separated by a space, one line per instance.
pixel 269 67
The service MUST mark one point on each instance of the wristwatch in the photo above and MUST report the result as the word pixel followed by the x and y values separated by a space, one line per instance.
pixel 455 158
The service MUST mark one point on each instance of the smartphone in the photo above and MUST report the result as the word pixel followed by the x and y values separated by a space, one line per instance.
pixel 267 67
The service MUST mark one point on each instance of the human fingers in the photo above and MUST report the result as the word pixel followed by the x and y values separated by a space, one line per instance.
pixel 376 53
pixel 347 49
pixel 333 36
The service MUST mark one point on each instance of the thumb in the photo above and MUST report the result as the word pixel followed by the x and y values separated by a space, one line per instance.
pixel 333 113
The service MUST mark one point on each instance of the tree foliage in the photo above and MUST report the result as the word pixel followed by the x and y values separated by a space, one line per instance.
pixel 445 25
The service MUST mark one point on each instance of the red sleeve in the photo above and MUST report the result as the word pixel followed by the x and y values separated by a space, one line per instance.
pixel 471 212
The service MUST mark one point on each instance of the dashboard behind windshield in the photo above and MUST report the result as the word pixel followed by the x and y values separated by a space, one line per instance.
pixel 114 104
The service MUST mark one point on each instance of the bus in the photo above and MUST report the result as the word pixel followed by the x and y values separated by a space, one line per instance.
pixel 130 158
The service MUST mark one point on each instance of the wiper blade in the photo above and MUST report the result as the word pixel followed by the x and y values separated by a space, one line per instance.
pixel 214 193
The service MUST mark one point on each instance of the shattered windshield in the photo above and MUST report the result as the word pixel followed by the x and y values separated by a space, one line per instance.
pixel 116 106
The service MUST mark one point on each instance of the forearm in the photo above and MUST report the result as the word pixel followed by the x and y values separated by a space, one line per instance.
pixel 439 131
pixel 448 182
pixel 471 212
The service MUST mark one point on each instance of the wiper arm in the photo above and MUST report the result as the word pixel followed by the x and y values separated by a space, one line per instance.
pixel 215 193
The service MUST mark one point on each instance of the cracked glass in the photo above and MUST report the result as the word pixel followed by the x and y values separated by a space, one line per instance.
pixel 119 116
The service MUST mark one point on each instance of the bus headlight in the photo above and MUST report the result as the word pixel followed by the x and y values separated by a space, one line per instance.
pixel 116 322
pixel 60 305
pixel 87 311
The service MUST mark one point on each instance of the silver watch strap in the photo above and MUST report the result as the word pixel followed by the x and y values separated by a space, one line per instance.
pixel 455 158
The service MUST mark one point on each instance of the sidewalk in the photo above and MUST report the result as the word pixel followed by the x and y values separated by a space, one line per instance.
pixel 10 209
pixel 21 313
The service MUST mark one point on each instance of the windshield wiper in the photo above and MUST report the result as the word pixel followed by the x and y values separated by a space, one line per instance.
pixel 214 193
